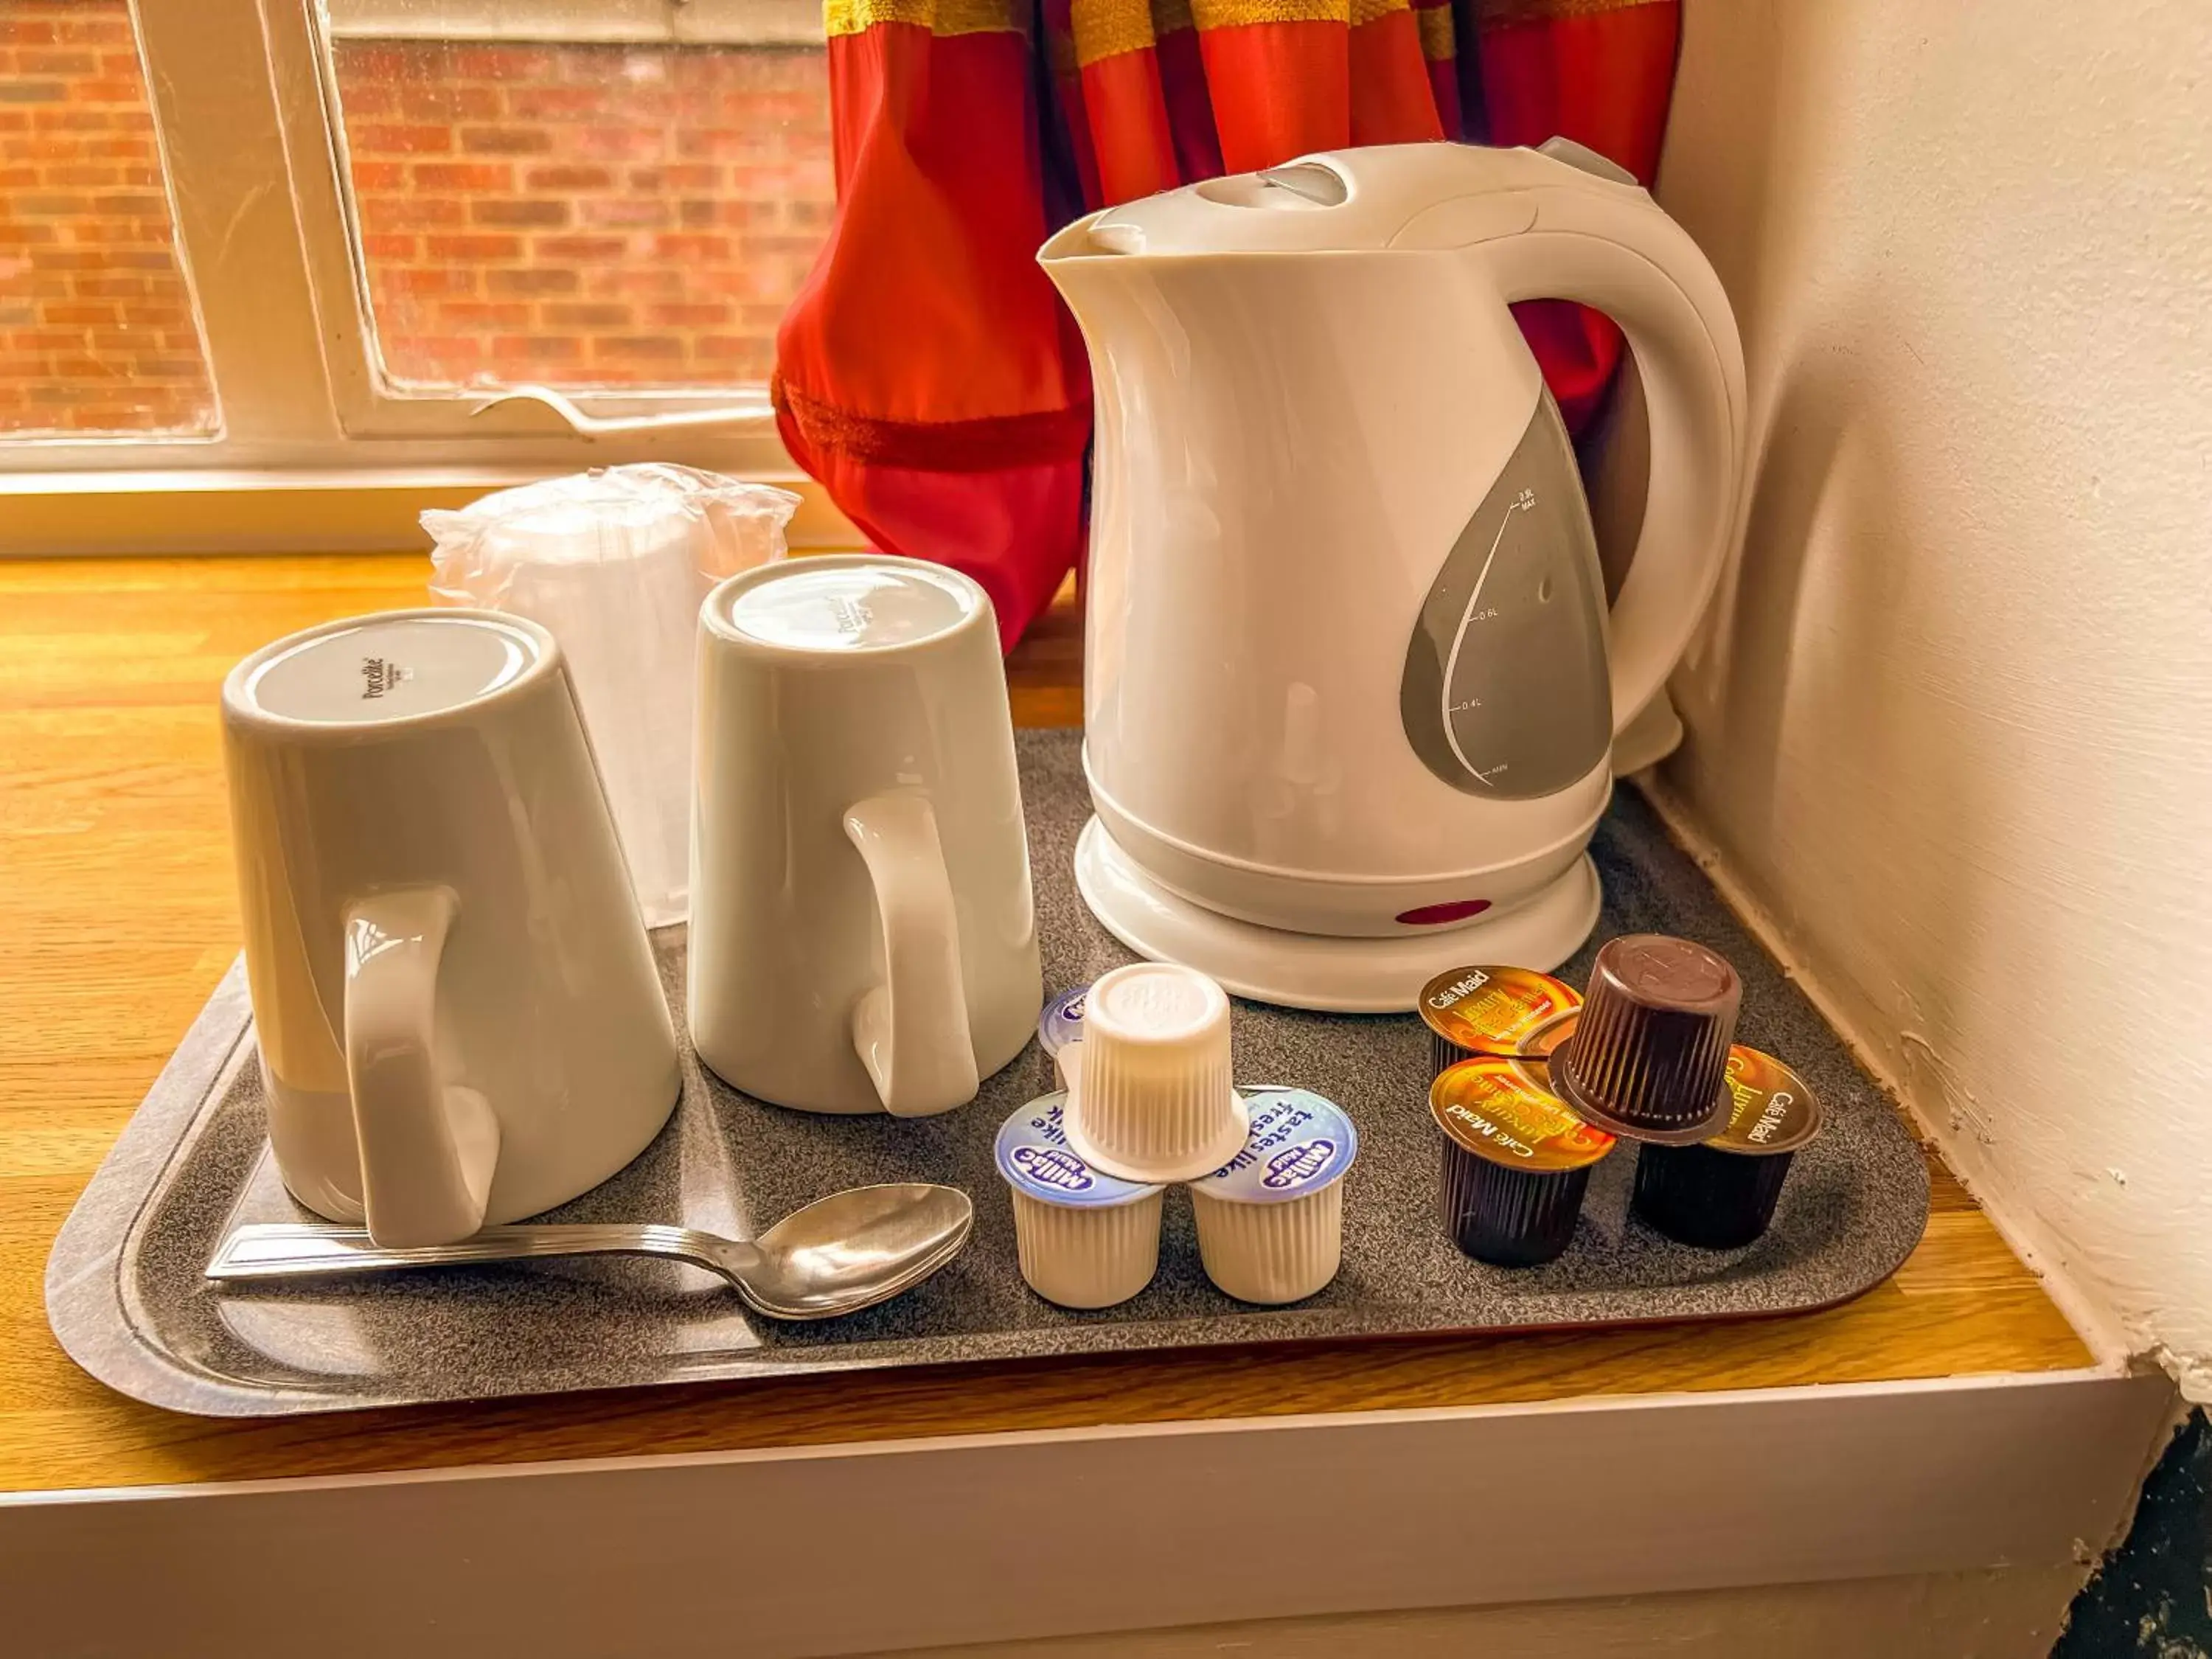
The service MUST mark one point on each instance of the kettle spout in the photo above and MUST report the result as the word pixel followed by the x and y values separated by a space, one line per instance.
pixel 1091 237
pixel 1091 263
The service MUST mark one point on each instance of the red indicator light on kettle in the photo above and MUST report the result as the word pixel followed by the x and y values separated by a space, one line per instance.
pixel 1434 915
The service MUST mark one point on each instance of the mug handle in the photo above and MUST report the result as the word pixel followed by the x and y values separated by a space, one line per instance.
pixel 427 1149
pixel 911 1031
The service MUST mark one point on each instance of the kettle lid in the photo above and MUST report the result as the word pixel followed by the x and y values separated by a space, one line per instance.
pixel 1340 201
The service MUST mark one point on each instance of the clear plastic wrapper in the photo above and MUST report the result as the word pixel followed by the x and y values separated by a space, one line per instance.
pixel 615 561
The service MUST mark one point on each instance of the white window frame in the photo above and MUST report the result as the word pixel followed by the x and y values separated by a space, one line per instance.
pixel 340 454
pixel 570 22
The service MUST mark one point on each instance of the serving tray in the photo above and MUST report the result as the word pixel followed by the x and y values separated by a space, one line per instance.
pixel 126 1295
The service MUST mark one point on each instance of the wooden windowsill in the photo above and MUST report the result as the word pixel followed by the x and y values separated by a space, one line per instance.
pixel 118 915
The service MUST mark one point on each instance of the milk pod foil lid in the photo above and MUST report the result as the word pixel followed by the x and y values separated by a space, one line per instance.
pixel 1061 1022
pixel 1298 1144
pixel 1036 1161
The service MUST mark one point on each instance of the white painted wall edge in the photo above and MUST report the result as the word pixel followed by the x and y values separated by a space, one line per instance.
pixel 2013 1217
pixel 2009 1613
pixel 844 1549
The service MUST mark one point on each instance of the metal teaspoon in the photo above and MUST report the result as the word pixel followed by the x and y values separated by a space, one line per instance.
pixel 837 1255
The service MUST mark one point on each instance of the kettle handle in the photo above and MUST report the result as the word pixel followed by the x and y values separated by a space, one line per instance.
pixel 1610 246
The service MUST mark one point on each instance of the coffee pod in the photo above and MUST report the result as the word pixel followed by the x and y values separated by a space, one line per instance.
pixel 1517 1161
pixel 1493 1011
pixel 1649 1057
pixel 1271 1221
pixel 1084 1239
pixel 1720 1195
pixel 1151 1101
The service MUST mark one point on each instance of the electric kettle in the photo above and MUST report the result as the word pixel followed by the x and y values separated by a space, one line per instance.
pixel 1350 682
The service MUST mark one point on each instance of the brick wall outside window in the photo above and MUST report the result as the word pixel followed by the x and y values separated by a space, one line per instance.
pixel 578 215
pixel 96 327
pixel 584 215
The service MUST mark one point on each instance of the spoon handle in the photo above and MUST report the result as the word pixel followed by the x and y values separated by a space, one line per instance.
pixel 266 1250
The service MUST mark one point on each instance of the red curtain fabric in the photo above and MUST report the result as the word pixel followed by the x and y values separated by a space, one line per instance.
pixel 927 372
pixel 1601 75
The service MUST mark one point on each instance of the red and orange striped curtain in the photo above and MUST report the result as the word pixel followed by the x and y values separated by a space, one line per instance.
pixel 927 372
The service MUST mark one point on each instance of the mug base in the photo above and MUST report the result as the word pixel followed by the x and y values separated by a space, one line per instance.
pixel 858 1096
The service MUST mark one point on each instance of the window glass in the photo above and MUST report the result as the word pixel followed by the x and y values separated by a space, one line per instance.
pixel 98 334
pixel 580 213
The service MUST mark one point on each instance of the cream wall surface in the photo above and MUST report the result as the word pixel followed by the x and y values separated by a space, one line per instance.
pixel 1951 724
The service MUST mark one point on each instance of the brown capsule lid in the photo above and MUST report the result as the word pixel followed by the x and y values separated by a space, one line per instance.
pixel 1494 1107
pixel 1493 1011
pixel 1649 1052
pixel 1659 971
pixel 1771 1109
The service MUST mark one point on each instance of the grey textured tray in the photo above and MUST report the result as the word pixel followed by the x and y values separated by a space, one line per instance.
pixel 126 1297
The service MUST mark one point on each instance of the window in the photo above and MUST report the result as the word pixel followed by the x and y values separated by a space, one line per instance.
pixel 582 212
pixel 481 236
pixel 98 334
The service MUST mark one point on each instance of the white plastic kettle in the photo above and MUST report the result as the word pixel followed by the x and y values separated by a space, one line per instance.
pixel 1349 672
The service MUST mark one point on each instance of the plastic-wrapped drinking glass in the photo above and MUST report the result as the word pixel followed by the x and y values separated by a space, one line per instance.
pixel 615 563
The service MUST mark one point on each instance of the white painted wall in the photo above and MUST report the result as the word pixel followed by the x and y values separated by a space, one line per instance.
pixel 1953 728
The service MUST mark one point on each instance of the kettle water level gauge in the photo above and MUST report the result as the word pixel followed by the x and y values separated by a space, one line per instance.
pixel 1505 691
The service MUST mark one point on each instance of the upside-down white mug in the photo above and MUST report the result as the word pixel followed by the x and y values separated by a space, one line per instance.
pixel 862 938
pixel 459 1017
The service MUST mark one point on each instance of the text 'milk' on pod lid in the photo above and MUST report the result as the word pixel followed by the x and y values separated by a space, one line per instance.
pixel 1493 1011
pixel 1034 1158
pixel 1492 1107
pixel 1061 1022
pixel 1299 1143
pixel 1770 1108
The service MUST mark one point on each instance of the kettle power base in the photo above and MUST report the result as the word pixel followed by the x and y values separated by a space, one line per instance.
pixel 1328 975
pixel 126 1295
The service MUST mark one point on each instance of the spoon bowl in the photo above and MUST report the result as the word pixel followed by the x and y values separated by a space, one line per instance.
pixel 855 1248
